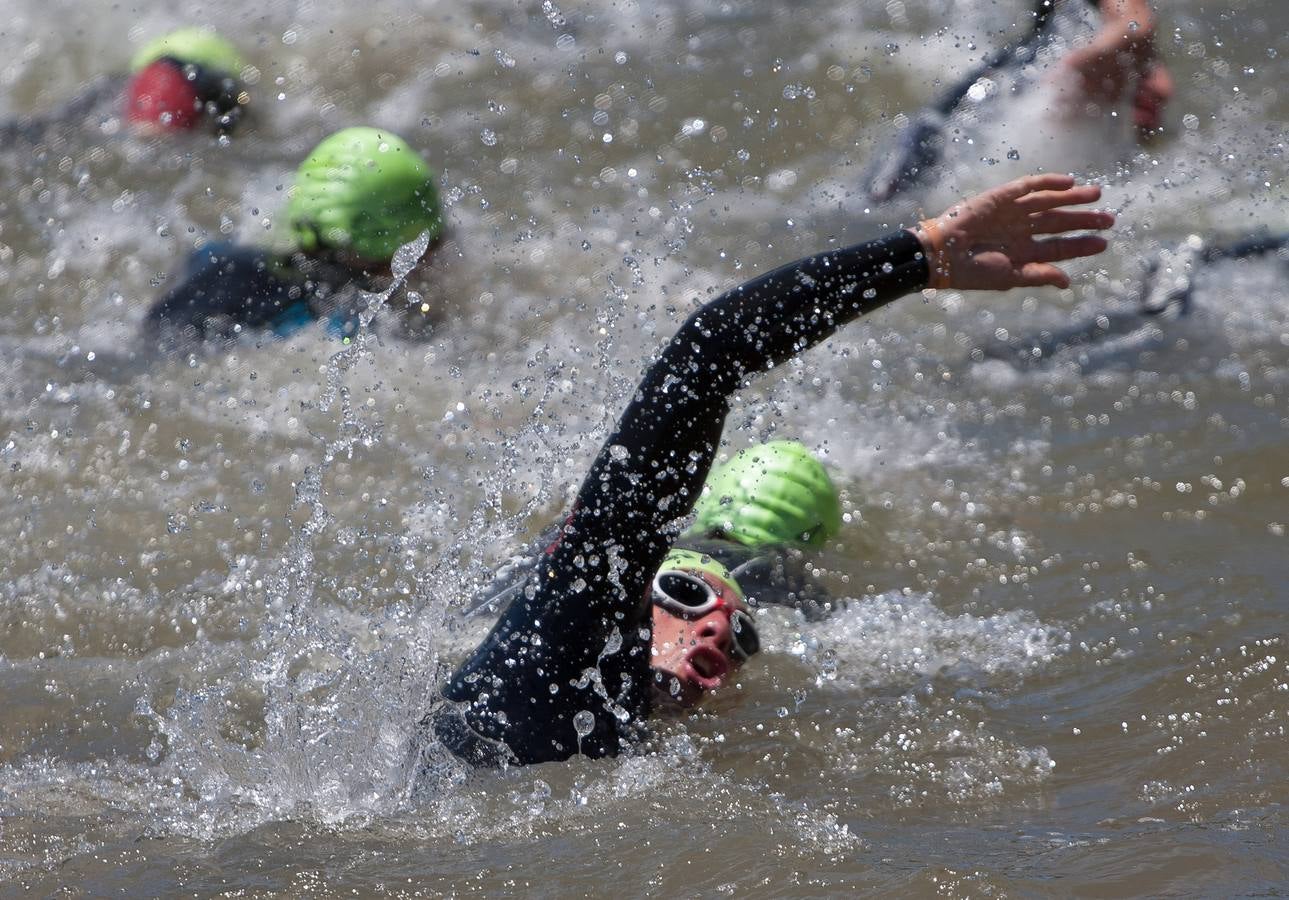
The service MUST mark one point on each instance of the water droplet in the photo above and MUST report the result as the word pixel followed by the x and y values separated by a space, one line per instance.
pixel 552 13
pixel 583 722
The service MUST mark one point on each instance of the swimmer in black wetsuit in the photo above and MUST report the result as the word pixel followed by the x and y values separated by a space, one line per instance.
pixel 188 79
pixel 1120 57
pixel 573 664
pixel 360 195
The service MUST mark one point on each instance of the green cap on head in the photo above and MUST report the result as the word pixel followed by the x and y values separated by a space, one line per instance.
pixel 365 191
pixel 693 561
pixel 200 46
pixel 773 493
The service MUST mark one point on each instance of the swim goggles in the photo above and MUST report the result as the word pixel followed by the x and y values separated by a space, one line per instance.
pixel 687 595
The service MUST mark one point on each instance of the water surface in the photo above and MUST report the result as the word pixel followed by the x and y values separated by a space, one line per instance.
pixel 233 580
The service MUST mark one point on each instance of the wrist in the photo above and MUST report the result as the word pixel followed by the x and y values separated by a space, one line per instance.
pixel 930 234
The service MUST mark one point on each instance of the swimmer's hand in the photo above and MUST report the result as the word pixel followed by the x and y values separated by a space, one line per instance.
pixel 1154 90
pixel 1122 56
pixel 990 242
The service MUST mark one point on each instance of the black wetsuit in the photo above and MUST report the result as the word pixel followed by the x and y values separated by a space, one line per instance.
pixel 566 669
pixel 225 288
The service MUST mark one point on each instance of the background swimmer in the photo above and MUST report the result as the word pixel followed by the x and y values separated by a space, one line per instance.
pixel 359 195
pixel 186 80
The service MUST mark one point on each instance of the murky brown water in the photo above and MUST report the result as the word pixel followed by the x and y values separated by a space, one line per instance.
pixel 230 582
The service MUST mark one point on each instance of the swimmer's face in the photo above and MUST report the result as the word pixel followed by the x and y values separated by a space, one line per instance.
pixel 695 654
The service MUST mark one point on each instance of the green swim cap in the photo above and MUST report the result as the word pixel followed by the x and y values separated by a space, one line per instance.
pixel 363 190
pixel 692 561
pixel 774 493
pixel 200 46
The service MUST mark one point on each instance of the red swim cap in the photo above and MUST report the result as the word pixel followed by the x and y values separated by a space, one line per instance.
pixel 160 94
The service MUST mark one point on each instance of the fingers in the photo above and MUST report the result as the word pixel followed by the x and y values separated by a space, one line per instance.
pixel 1041 275
pixel 1056 221
pixel 1038 201
pixel 1057 249
pixel 1052 181
pixel 1033 193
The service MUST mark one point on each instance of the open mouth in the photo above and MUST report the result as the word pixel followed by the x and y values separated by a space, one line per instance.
pixel 707 666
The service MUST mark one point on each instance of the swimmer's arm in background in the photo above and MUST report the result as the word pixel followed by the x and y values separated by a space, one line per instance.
pixel 102 94
pixel 1123 56
pixel 224 287
pixel 1257 244
pixel 1170 279
pixel 783 576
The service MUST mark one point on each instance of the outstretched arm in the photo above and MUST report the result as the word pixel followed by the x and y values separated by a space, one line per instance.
pixel 567 665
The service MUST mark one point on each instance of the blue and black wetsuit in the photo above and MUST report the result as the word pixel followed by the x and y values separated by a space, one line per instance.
pixel 566 669
pixel 225 289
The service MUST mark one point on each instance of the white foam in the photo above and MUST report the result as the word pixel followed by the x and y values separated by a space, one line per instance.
pixel 899 639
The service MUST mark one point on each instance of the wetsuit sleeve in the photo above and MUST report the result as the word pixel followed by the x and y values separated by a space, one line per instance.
pixel 566 668
pixel 224 286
